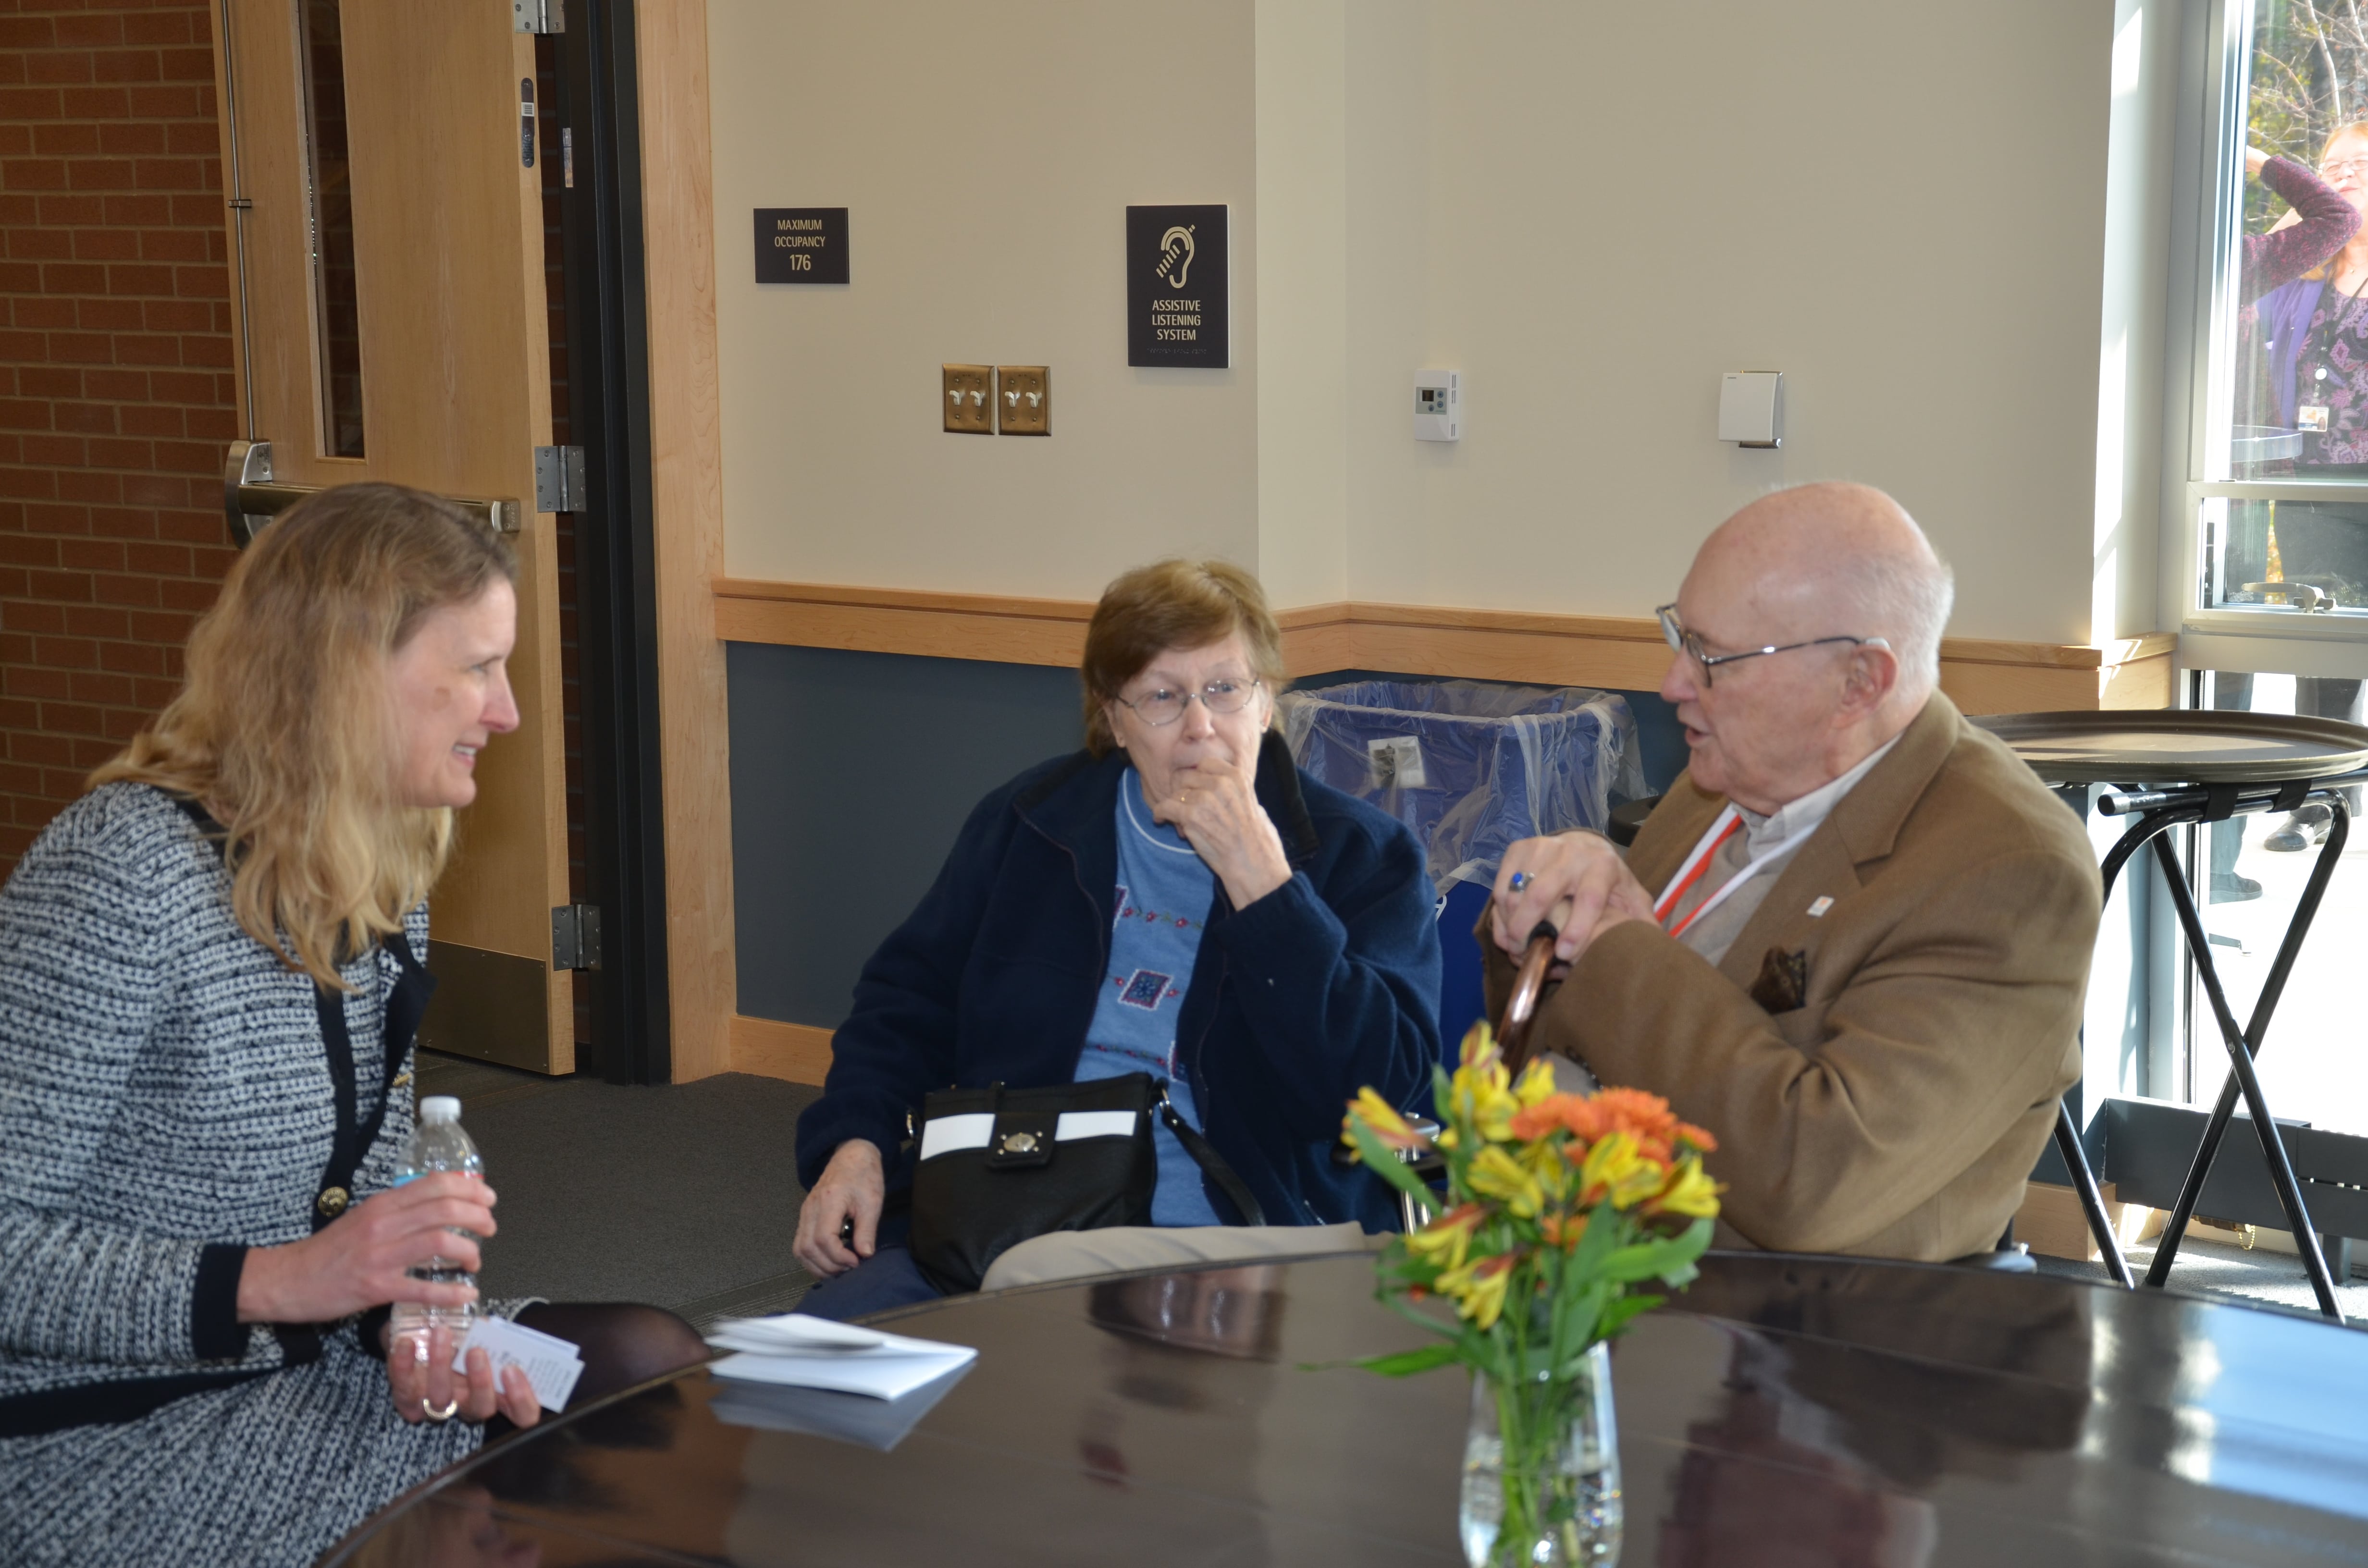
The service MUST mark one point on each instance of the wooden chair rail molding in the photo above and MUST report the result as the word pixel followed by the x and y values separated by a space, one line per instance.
pixel 1982 676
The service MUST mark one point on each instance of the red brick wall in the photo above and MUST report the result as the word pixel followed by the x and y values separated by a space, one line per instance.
pixel 116 396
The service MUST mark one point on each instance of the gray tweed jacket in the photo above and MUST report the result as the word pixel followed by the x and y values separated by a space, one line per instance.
pixel 165 1103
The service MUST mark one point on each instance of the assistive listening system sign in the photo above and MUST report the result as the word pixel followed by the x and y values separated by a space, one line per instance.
pixel 1175 279
pixel 801 245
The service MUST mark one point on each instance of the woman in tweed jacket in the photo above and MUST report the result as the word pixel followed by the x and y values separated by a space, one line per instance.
pixel 199 1229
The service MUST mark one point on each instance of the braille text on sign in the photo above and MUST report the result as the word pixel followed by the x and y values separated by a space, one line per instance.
pixel 801 245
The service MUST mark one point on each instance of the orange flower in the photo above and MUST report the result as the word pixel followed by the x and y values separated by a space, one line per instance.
pixel 1647 1116
pixel 1564 1230
pixel 1572 1113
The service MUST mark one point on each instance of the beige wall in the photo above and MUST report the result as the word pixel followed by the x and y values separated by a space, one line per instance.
pixel 1590 209
pixel 988 153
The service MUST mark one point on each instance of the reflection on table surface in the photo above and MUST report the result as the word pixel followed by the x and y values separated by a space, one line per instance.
pixel 1785 1411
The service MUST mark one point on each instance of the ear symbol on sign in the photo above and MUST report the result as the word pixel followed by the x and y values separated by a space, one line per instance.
pixel 1171 258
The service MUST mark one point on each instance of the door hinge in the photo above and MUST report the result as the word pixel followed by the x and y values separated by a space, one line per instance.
pixel 559 479
pixel 576 936
pixel 537 16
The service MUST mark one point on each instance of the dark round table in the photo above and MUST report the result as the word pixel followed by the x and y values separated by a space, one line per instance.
pixel 1786 1410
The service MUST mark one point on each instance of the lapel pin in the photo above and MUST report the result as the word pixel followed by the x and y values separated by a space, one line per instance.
pixel 1819 908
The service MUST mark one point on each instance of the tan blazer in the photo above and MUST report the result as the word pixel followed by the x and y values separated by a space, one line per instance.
pixel 1895 1110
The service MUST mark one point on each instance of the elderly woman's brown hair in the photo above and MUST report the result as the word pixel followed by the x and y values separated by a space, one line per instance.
pixel 1172 604
pixel 283 728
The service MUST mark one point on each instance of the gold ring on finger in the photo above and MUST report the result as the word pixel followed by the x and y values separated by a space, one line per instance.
pixel 451 1408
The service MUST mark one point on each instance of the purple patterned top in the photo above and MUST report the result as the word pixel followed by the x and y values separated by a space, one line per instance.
pixel 2331 371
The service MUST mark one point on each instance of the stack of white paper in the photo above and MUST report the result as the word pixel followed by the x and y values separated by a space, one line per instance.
pixel 550 1362
pixel 815 1353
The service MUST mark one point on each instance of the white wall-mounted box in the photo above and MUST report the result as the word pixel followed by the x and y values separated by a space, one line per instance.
pixel 1751 408
pixel 1438 405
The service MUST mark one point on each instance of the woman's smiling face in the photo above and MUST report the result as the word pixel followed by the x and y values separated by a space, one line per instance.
pixel 449 689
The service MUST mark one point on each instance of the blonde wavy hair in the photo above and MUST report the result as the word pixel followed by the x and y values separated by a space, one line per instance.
pixel 283 728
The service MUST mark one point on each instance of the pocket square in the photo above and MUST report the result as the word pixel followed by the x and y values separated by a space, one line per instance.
pixel 1784 982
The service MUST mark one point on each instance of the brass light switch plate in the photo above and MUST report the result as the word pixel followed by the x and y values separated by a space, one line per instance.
pixel 1026 399
pixel 968 400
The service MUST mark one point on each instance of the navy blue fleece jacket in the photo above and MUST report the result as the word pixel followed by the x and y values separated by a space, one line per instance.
pixel 1327 985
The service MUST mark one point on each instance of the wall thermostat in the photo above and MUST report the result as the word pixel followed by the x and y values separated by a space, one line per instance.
pixel 1438 405
pixel 1751 408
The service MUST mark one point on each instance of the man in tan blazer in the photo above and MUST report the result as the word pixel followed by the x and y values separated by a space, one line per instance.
pixel 1854 939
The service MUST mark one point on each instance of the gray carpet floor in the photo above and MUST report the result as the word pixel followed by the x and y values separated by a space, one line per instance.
pixel 684 1195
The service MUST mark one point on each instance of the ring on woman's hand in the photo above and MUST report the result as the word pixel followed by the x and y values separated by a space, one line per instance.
pixel 1520 880
pixel 451 1408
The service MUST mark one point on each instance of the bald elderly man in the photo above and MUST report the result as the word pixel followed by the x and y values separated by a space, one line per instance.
pixel 1852 940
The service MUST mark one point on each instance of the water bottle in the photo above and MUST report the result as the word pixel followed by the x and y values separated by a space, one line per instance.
pixel 437 1144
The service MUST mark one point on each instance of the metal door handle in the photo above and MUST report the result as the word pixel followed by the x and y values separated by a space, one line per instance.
pixel 251 499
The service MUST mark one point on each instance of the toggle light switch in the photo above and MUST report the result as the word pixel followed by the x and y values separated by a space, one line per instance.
pixel 968 400
pixel 1027 399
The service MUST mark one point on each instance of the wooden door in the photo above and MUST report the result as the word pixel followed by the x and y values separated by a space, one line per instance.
pixel 393 325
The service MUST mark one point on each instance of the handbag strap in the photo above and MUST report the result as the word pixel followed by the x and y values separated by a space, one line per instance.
pixel 1213 1165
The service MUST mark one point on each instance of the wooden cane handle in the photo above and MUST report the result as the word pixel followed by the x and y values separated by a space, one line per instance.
pixel 1529 984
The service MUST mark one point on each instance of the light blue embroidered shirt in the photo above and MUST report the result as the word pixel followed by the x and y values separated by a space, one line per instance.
pixel 1164 893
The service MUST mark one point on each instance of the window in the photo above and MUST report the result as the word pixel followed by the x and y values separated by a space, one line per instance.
pixel 2276 508
pixel 337 304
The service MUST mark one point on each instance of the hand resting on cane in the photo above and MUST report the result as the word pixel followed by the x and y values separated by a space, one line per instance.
pixel 1576 882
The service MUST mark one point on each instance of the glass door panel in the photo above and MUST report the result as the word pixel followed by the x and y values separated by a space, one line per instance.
pixel 2250 878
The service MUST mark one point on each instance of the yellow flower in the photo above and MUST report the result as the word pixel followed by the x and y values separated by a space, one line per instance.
pixel 1479 1044
pixel 1544 1161
pixel 1447 1238
pixel 1478 1289
pixel 1480 1089
pixel 1496 1173
pixel 1690 1192
pixel 1616 1171
pixel 1537 1083
pixel 1381 1116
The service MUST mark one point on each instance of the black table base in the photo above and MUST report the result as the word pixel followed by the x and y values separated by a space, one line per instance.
pixel 2157 813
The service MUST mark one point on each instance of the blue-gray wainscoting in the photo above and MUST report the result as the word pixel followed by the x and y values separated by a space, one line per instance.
pixel 851 773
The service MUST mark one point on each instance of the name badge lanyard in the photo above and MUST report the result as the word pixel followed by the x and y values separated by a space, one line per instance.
pixel 1726 825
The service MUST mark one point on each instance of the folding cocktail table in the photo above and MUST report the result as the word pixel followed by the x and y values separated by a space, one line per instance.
pixel 2176 769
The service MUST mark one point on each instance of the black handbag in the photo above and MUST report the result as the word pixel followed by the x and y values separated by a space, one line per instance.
pixel 995 1167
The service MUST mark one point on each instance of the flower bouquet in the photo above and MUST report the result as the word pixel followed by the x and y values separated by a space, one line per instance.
pixel 1563 1213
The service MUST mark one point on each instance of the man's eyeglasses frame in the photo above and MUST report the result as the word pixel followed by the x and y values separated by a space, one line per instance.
pixel 1682 640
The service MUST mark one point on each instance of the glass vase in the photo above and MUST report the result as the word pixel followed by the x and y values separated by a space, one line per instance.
pixel 1541 1471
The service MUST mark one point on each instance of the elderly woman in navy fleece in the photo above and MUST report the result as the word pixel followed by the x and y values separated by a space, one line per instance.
pixel 1178 898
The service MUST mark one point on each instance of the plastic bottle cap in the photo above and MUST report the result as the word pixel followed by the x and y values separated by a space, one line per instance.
pixel 439 1107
